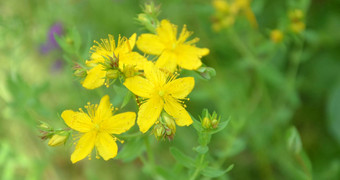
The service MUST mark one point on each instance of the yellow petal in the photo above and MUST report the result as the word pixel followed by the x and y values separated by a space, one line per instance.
pixel 98 56
pixel 148 113
pixel 106 146
pixel 167 32
pixel 150 44
pixel 119 123
pixel 180 88
pixel 104 110
pixel 154 74
pixel 132 40
pixel 125 45
pixel 176 110
pixel 139 86
pixel 189 57
pixel 132 58
pixel 167 61
pixel 95 77
pixel 78 121
pixel 84 146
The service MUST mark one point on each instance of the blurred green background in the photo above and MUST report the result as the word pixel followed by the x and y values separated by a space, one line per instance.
pixel 284 109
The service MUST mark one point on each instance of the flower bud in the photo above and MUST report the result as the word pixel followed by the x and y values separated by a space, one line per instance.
pixel 44 126
pixel 169 122
pixel 57 140
pixel 112 74
pixel 159 131
pixel 206 123
pixel 276 36
pixel 80 73
pixel 214 123
pixel 221 5
pixel 297 27
pixel 129 71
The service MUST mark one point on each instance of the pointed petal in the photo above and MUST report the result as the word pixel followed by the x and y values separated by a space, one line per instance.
pixel 119 123
pixel 95 77
pixel 154 74
pixel 176 110
pixel 106 146
pixel 180 88
pixel 78 121
pixel 139 86
pixel 132 40
pixel 84 146
pixel 148 113
pixel 167 32
pixel 132 58
pixel 104 110
pixel 167 61
pixel 189 57
pixel 150 44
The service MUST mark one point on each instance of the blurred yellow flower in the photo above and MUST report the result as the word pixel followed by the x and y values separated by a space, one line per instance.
pixel 160 92
pixel 97 125
pixel 172 51
pixel 227 11
pixel 296 17
pixel 119 56
pixel 276 36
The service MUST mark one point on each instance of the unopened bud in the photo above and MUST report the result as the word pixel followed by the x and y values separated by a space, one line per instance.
pixel 112 74
pixel 214 123
pixel 276 36
pixel 129 71
pixel 169 122
pixel 221 5
pixel 206 123
pixel 159 131
pixel 57 140
pixel 44 126
pixel 297 27
pixel 80 73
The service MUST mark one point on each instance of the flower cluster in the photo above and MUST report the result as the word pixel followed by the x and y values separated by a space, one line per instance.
pixel 160 94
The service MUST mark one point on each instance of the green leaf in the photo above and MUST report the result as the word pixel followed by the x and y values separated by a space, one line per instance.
pixel 220 126
pixel 213 173
pixel 131 150
pixel 197 124
pixel 182 158
pixel 76 38
pixel 201 149
pixel 333 113
pixel 207 72
pixel 126 99
pixel 293 140
pixel 204 138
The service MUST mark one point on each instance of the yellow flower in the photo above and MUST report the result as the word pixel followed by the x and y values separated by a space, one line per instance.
pixel 160 92
pixel 121 55
pixel 276 36
pixel 172 51
pixel 97 126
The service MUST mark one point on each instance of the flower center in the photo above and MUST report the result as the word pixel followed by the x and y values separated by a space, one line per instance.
pixel 161 93
pixel 96 127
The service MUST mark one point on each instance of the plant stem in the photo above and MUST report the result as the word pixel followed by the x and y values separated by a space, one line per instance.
pixel 149 152
pixel 198 168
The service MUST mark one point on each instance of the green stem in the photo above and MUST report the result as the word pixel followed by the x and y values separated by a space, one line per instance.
pixel 149 152
pixel 241 47
pixel 198 168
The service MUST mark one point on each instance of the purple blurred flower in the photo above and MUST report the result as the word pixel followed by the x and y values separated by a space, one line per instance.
pixel 51 42
pixel 57 66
